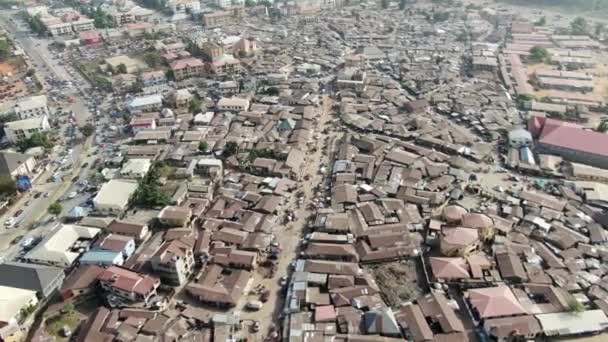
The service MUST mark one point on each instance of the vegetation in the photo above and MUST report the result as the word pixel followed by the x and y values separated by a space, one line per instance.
pixel 203 146
pixel 195 105
pixel 538 54
pixel 35 140
pixel 26 312
pixel 101 19
pixel 575 307
pixel 600 6
pixel 155 4
pixel 5 49
pixel 148 193
pixel 579 26
pixel 8 187
pixel 385 4
pixel 602 127
pixel 55 324
pixel 153 59
pixel 87 130
pixel 102 82
pixel 55 209
pixel 8 118
pixel 121 69
pixel 230 149
pixel 272 91
pixel 36 24
pixel 249 3
pixel 541 22
pixel 263 153
pixel 440 16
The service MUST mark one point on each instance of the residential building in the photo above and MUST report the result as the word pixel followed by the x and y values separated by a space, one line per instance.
pixel 186 68
pixel 233 104
pixel 15 304
pixel 180 98
pixel 212 51
pixel 117 243
pixel 112 64
pixel 114 196
pixel 44 280
pixel 219 286
pixel 127 285
pixel 81 283
pixel 174 262
pixel 183 6
pixel 31 107
pixel 223 18
pixel 138 124
pixel 138 232
pixel 101 257
pixel 245 47
pixel 58 28
pixel 63 246
pixel 173 216
pixel 147 103
pixel 23 129
pixel 208 167
pixel 17 164
pixel 83 24
pixel 135 168
pixel 153 78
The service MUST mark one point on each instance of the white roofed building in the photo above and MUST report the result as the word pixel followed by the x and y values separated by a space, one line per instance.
pixel 63 246
pixel 23 129
pixel 31 107
pixel 113 197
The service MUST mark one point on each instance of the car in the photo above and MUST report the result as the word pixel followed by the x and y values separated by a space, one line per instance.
pixel 72 194
pixel 18 212
pixel 256 326
pixel 37 194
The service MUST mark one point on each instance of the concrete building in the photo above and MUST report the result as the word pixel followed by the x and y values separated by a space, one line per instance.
pixel 520 137
pixel 83 24
pixel 15 164
pixel 223 18
pixel 23 129
pixel 13 303
pixel 148 103
pixel 127 285
pixel 44 280
pixel 186 68
pixel 174 262
pixel 114 196
pixel 233 104
pixel 135 168
pixel 32 107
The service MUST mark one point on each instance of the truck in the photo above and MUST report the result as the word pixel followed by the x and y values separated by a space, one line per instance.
pixel 254 305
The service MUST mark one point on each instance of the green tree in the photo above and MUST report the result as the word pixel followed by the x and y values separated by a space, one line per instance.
pixel 538 54
pixel 541 22
pixel 384 4
pixel 169 74
pixel 37 139
pixel 249 3
pixel 153 59
pixel 87 130
pixel 8 187
pixel 203 146
pixel 121 69
pixel 599 28
pixel 36 24
pixel 148 193
pixel 230 149
pixel 402 4
pixel 8 118
pixel 272 91
pixel 579 26
pixel 602 127
pixel 55 209
pixel 195 105
pixel 5 49
pixel 575 307
pixel 440 16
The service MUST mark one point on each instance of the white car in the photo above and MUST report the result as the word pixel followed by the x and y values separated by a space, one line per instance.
pixel 72 194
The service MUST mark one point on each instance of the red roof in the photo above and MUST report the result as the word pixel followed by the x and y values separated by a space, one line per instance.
pixel 567 135
pixel 186 63
pixel 495 302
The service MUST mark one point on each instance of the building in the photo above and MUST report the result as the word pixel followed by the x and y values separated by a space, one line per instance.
pixel 212 51
pixel 153 78
pixel 135 168
pixel 83 24
pixel 219 286
pixel 15 303
pixel 63 246
pixel 31 107
pixel 127 285
pixel 174 262
pixel 43 280
pixel 17 164
pixel 570 141
pixel 58 28
pixel 208 167
pixel 113 63
pixel 23 129
pixel 90 37
pixel 116 243
pixel 134 14
pixel 114 196
pixel 138 232
pixel 81 283
pixel 138 124
pixel 233 104
pixel 184 6
pixel 492 302
pixel 186 68
pixel 564 324
pixel 101 257
pixel 147 103
pixel 180 98
pixel 172 216
pixel 520 137
pixel 223 18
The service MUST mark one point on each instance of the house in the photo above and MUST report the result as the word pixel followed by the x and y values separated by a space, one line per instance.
pixel 520 137
pixel 564 324
pixel 113 64
pixel 174 262
pixel 127 285
pixel 23 129
pixel 138 232
pixel 117 243
pixel 114 196
pixel 138 124
pixel 492 302
pixel 458 241
pixel 153 78
pixel 17 164
pixel 43 280
pixel 245 47
pixel 219 286
pixel 186 68
pixel 63 246
pixel 83 24
pixel 147 103
pixel 233 104
pixel 208 167
pixel 32 106
pixel 15 304
pixel 136 168
pixel 102 257
pixel 173 216
pixel 223 18
pixel 235 258
pixel 180 98
pixel 81 283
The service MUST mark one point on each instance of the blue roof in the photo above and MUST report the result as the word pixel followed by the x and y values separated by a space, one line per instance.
pixel 100 256
pixel 78 212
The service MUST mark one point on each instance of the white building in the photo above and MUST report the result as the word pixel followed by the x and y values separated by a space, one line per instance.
pixel 223 3
pixel 12 301
pixel 83 24
pixel 59 29
pixel 135 168
pixel 233 104
pixel 63 246
pixel 32 106
pixel 24 129
pixel 113 197
pixel 146 103
pixel 520 137
pixel 183 6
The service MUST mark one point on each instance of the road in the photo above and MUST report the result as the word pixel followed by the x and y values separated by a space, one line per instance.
pixel 34 210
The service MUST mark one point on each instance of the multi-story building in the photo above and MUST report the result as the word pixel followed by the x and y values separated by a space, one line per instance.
pixel 23 129
pixel 183 6
pixel 223 18
pixel 128 285
pixel 174 262
pixel 59 28
pixel 186 68
pixel 148 103
pixel 32 107
pixel 153 78
pixel 212 51
pixel 83 24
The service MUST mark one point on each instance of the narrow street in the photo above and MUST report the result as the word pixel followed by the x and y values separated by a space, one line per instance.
pixel 289 236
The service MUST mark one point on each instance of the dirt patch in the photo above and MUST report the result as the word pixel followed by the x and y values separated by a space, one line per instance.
pixel 6 68
pixel 399 281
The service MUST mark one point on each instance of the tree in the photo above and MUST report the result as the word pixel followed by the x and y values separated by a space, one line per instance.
pixel 87 130
pixel 122 69
pixel 538 54
pixel 195 105
pixel 36 24
pixel 602 127
pixel 203 146
pixel 384 4
pixel 8 118
pixel 579 27
pixel 599 28
pixel 272 91
pixel 55 209
pixel 230 149
pixel 30 72
pixel 153 59
pixel 148 193
pixel 249 3
pixel 35 140
pixel 170 75
pixel 440 16
pixel 5 49
pixel 402 4
pixel 541 22
pixel 575 307
pixel 8 187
